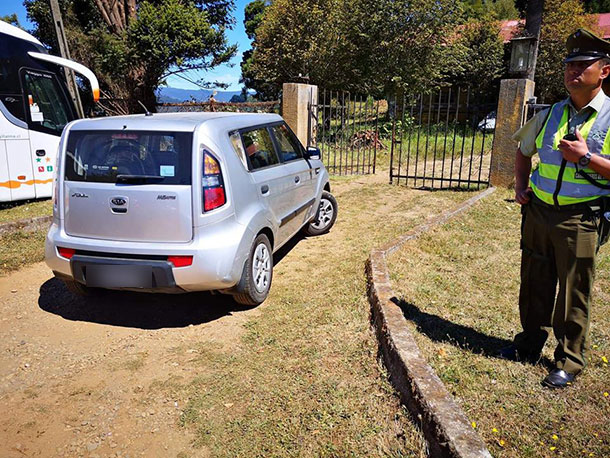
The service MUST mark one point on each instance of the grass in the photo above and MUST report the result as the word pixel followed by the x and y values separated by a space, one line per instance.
pixel 459 289
pixel 20 248
pixel 304 379
pixel 15 211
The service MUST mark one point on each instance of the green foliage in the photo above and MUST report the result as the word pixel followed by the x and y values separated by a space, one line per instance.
pixel 253 16
pixel 597 6
pixel 505 9
pixel 359 45
pixel 560 19
pixel 131 61
pixel 500 9
pixel 477 54
pixel 11 19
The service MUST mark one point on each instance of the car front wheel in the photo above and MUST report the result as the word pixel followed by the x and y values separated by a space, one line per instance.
pixel 326 216
pixel 255 282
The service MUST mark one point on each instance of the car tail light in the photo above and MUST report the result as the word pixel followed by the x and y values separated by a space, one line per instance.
pixel 213 186
pixel 66 252
pixel 180 261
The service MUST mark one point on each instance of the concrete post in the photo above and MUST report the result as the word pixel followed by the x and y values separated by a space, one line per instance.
pixel 296 98
pixel 514 94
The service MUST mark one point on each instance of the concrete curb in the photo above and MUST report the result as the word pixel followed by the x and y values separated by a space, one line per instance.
pixel 446 428
pixel 27 225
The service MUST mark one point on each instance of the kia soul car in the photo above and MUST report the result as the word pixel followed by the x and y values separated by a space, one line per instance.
pixel 182 202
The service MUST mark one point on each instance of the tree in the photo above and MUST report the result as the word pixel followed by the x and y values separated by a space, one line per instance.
pixel 597 6
pixel 500 9
pixel 560 19
pixel 253 17
pixel 134 45
pixel 11 19
pixel 477 54
pixel 361 46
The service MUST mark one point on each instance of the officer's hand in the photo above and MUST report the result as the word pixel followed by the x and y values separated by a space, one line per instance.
pixel 522 197
pixel 573 150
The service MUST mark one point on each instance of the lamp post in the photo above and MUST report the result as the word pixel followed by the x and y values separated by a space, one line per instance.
pixel 522 56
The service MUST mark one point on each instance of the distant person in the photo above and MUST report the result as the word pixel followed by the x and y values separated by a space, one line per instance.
pixel 562 208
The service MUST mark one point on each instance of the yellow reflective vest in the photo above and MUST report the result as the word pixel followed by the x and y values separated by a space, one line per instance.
pixel 558 182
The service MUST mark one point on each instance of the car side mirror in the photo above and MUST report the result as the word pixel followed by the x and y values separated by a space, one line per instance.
pixel 313 152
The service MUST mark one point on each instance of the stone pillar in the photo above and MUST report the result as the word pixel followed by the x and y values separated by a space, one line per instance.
pixel 514 94
pixel 296 98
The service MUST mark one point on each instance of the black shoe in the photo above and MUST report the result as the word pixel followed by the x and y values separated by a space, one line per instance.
pixel 512 353
pixel 558 378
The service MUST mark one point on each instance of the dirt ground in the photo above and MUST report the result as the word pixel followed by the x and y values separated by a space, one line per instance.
pixel 81 377
pixel 73 377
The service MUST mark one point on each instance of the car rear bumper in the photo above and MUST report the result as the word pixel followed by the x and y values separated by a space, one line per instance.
pixel 218 259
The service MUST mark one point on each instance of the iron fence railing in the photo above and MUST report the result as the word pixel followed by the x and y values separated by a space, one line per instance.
pixel 346 130
pixel 442 139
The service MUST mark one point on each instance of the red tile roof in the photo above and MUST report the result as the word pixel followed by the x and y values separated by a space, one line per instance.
pixel 509 28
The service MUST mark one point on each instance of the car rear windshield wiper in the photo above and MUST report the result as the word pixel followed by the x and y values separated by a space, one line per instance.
pixel 138 179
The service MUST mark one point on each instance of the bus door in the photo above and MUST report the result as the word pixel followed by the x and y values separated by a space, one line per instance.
pixel 16 173
pixel 19 166
pixel 47 111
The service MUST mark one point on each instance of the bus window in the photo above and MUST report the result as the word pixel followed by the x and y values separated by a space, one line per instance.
pixel 14 104
pixel 48 107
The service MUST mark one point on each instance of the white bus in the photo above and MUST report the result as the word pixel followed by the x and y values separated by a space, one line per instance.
pixel 35 105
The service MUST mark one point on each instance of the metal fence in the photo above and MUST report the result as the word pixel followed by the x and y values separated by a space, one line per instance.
pixel 236 107
pixel 442 139
pixel 346 131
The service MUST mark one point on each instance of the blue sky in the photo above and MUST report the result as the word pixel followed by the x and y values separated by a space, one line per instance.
pixel 224 73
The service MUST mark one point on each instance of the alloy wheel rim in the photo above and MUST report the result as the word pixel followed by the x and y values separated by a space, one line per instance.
pixel 261 268
pixel 325 215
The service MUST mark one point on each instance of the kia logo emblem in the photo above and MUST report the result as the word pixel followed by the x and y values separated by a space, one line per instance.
pixel 118 200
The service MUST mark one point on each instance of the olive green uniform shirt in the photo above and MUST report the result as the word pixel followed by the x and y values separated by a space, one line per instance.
pixel 528 133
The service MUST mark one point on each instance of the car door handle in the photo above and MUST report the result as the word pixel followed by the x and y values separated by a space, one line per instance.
pixel 264 189
pixel 297 179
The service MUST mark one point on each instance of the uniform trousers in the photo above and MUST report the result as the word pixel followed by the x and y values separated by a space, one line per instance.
pixel 559 246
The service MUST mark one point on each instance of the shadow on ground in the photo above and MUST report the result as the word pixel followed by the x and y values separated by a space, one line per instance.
pixel 440 329
pixel 135 310
pixel 144 310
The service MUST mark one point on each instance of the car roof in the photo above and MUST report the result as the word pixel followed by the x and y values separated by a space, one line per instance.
pixel 179 122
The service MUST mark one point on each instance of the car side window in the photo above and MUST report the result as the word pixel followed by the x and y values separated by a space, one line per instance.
pixel 290 148
pixel 259 148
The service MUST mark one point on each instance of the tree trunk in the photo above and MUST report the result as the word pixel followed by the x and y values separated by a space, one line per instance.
pixel 533 23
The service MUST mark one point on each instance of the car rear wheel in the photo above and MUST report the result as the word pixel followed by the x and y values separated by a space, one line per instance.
pixel 326 217
pixel 255 282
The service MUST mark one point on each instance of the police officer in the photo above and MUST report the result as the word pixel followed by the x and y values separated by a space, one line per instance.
pixel 561 211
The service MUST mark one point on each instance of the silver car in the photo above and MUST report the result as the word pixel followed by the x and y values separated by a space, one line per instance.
pixel 182 202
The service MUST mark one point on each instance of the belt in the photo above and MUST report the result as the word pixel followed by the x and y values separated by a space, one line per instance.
pixel 589 204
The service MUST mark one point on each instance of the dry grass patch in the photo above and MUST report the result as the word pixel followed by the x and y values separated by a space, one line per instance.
pixel 458 286
pixel 20 248
pixel 15 211
pixel 304 380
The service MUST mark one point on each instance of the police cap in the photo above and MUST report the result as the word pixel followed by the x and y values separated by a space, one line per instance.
pixel 584 46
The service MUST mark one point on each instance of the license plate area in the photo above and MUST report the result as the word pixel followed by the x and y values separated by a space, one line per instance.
pixel 118 276
pixel 109 272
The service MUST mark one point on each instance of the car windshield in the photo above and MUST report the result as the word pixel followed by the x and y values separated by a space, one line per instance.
pixel 111 156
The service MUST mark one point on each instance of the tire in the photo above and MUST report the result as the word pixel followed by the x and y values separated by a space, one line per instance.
pixel 256 277
pixel 326 216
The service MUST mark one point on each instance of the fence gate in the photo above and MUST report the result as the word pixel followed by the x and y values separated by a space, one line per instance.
pixel 346 130
pixel 442 139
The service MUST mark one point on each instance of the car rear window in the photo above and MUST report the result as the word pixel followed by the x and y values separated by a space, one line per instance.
pixel 100 156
